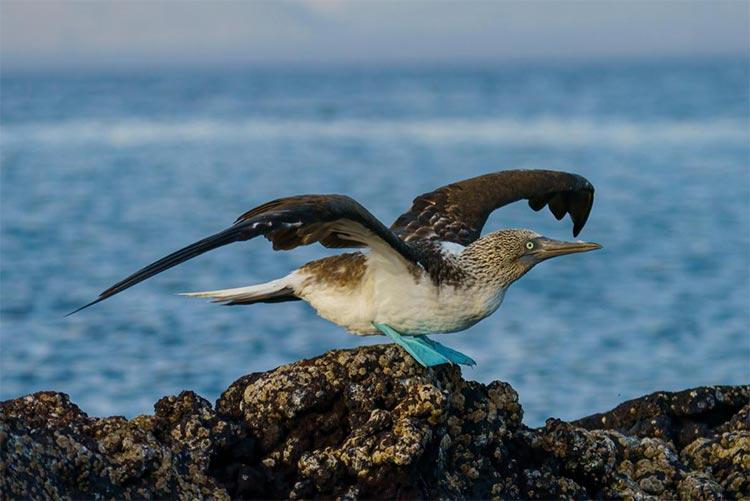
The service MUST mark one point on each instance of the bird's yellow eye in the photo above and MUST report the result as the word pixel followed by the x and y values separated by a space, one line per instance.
pixel 529 245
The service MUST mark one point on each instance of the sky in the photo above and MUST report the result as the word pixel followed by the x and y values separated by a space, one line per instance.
pixel 122 34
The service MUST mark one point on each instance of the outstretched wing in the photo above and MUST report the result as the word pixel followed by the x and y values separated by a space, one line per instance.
pixel 332 220
pixel 457 212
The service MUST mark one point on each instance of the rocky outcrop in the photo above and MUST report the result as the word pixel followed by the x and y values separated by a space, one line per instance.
pixel 371 423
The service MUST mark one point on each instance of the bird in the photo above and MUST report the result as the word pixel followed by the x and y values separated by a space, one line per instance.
pixel 431 272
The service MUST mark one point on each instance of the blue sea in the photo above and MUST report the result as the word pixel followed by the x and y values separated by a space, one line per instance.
pixel 104 173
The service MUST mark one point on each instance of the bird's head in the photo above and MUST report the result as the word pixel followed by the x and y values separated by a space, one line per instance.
pixel 509 254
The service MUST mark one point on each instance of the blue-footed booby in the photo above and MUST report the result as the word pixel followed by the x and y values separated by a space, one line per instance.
pixel 430 273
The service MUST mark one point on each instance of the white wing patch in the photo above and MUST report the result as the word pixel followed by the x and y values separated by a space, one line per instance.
pixel 452 248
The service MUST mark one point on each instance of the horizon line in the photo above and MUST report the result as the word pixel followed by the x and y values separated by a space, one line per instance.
pixel 86 67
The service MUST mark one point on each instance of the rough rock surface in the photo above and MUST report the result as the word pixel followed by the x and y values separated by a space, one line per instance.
pixel 371 423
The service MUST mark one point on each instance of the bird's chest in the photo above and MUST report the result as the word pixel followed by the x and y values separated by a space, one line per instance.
pixel 423 308
pixel 408 301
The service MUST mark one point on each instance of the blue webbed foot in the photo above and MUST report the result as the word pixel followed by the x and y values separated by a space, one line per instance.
pixel 417 348
pixel 424 350
pixel 454 356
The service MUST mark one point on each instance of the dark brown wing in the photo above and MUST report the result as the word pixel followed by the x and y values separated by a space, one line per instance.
pixel 332 220
pixel 457 212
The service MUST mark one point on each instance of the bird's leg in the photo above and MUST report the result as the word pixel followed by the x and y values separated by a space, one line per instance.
pixel 454 356
pixel 418 348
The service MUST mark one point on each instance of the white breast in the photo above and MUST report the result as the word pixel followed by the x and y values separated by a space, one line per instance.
pixel 389 293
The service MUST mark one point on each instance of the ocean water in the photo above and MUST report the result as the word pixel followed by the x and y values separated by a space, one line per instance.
pixel 104 173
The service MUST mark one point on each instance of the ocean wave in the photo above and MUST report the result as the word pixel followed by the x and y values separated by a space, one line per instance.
pixel 554 131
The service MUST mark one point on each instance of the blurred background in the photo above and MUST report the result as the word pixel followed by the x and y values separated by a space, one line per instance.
pixel 130 129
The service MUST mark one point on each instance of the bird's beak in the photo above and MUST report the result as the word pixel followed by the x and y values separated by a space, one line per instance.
pixel 546 248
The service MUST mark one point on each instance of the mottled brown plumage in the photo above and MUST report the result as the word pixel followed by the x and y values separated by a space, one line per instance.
pixel 338 270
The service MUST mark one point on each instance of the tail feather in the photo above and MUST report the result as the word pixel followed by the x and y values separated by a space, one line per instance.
pixel 276 291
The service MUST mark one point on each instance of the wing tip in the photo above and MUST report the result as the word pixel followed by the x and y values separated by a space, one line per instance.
pixel 92 303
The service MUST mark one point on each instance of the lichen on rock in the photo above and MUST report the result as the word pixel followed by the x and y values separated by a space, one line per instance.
pixel 372 423
pixel 53 450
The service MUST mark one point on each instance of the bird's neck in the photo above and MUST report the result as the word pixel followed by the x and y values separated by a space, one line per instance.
pixel 479 265
pixel 485 263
